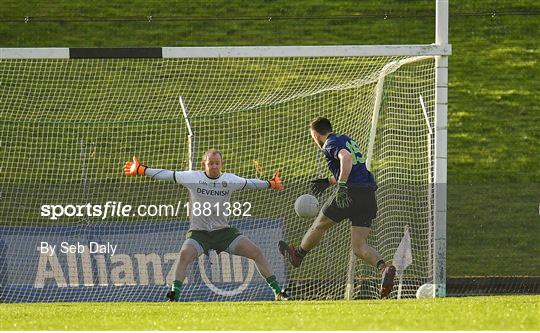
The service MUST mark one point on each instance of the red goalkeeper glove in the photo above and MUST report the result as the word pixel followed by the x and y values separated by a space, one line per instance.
pixel 134 168
pixel 275 182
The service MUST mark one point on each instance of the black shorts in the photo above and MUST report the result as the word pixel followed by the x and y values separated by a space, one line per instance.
pixel 361 211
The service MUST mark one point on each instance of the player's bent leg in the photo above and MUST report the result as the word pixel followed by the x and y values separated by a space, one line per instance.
pixel 361 248
pixel 311 239
pixel 190 251
pixel 315 233
pixel 244 247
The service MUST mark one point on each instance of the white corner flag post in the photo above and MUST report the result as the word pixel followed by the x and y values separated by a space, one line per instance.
pixel 403 257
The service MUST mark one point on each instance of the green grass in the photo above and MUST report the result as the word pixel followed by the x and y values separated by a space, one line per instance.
pixel 472 313
pixel 500 217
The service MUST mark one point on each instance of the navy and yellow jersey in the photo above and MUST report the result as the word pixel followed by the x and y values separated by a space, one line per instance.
pixel 360 175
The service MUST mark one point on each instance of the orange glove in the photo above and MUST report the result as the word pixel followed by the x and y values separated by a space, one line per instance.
pixel 275 182
pixel 134 168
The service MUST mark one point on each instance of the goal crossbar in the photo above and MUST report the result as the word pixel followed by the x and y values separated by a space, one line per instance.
pixel 229 52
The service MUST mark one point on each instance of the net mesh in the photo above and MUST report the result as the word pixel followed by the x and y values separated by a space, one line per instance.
pixel 68 126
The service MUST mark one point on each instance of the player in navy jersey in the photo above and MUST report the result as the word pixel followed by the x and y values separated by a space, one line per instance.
pixel 354 199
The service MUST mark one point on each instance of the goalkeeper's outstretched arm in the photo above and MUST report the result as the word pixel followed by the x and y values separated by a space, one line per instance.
pixel 135 168
pixel 256 184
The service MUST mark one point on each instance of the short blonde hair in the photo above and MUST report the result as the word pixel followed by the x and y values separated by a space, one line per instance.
pixel 212 152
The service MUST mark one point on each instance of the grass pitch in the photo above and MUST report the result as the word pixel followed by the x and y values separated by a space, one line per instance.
pixel 471 313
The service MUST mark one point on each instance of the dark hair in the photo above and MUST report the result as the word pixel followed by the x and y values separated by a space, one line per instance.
pixel 321 125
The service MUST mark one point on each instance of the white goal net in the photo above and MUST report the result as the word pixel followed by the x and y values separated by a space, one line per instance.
pixel 68 125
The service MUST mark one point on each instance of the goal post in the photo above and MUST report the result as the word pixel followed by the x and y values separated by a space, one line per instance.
pixel 252 103
pixel 441 154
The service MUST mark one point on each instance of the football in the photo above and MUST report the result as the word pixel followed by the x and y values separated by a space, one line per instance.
pixel 425 291
pixel 306 206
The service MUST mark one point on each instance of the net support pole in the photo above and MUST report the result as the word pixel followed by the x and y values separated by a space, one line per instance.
pixel 429 142
pixel 441 156
pixel 84 178
pixel 191 136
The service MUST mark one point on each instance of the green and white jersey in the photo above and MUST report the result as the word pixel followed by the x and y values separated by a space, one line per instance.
pixel 210 197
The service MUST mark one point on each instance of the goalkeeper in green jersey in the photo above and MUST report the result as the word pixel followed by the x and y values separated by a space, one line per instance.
pixel 212 231
pixel 354 199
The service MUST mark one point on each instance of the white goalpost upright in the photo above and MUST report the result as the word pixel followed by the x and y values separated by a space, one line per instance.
pixel 253 104
pixel 441 155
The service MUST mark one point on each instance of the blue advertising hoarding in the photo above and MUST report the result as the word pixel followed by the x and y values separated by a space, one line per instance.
pixel 128 262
